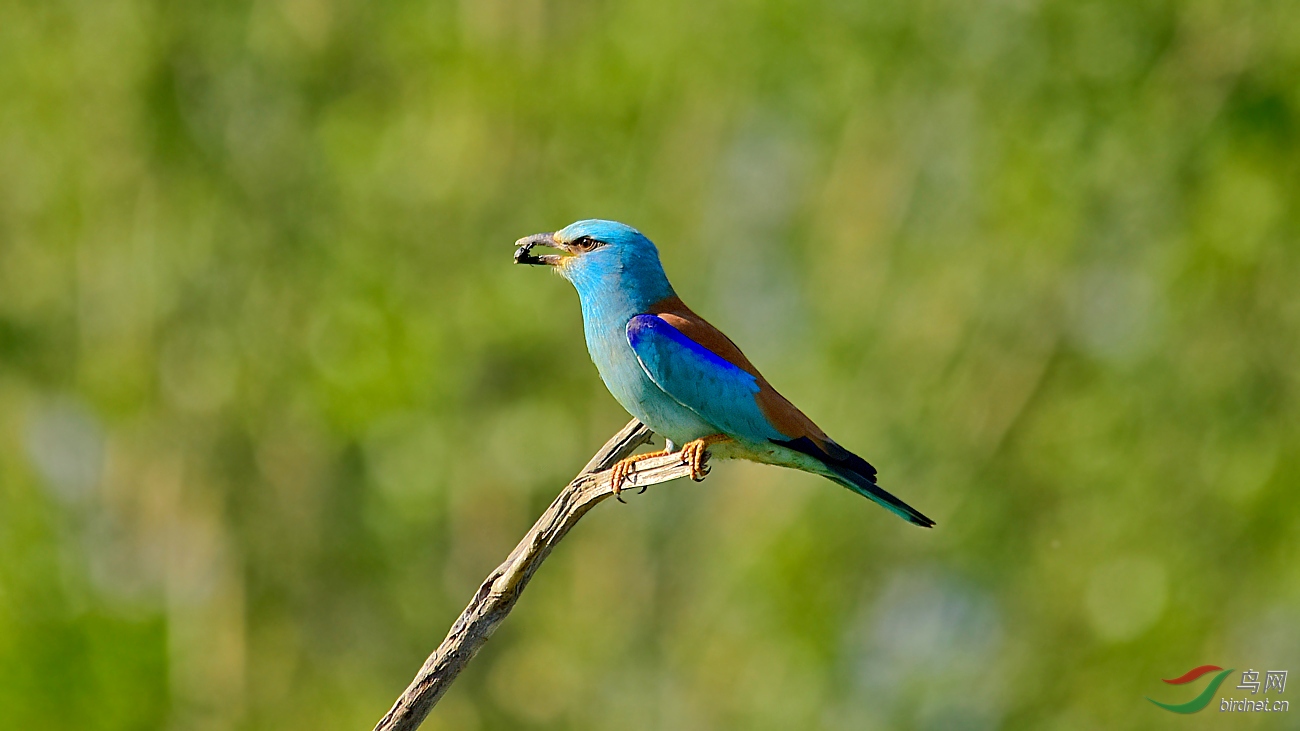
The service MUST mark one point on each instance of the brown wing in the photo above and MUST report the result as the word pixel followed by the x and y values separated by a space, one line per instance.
pixel 803 435
pixel 782 414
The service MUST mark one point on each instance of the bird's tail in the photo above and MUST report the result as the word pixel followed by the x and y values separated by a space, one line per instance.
pixel 867 487
pixel 834 462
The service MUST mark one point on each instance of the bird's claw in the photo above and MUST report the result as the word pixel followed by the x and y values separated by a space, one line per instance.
pixel 693 453
pixel 696 453
pixel 622 472
pixel 695 456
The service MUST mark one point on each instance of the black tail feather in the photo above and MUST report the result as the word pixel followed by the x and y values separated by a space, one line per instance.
pixel 858 475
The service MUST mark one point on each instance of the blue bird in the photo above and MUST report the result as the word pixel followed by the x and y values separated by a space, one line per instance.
pixel 681 376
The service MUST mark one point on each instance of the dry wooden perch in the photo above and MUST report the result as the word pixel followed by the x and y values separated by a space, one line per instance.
pixel 499 592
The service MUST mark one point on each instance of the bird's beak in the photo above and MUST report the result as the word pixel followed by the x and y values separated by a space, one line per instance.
pixel 524 254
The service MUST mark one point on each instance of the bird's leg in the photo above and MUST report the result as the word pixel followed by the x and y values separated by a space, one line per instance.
pixel 623 468
pixel 695 452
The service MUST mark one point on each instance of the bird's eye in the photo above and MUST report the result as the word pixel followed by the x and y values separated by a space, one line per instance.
pixel 585 244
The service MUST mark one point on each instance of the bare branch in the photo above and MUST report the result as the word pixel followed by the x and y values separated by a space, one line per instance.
pixel 499 592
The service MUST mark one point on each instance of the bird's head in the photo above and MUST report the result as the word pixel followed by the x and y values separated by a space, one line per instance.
pixel 596 255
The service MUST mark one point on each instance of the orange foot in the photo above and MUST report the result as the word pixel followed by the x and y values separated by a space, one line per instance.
pixel 695 454
pixel 623 468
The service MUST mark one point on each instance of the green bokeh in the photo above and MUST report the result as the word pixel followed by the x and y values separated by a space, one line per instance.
pixel 273 399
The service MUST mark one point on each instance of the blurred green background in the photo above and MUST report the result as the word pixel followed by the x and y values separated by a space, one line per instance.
pixel 273 399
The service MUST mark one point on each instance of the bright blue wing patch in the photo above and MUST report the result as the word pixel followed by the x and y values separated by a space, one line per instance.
pixel 696 377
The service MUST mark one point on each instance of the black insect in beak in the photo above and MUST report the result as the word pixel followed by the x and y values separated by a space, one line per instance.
pixel 524 254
